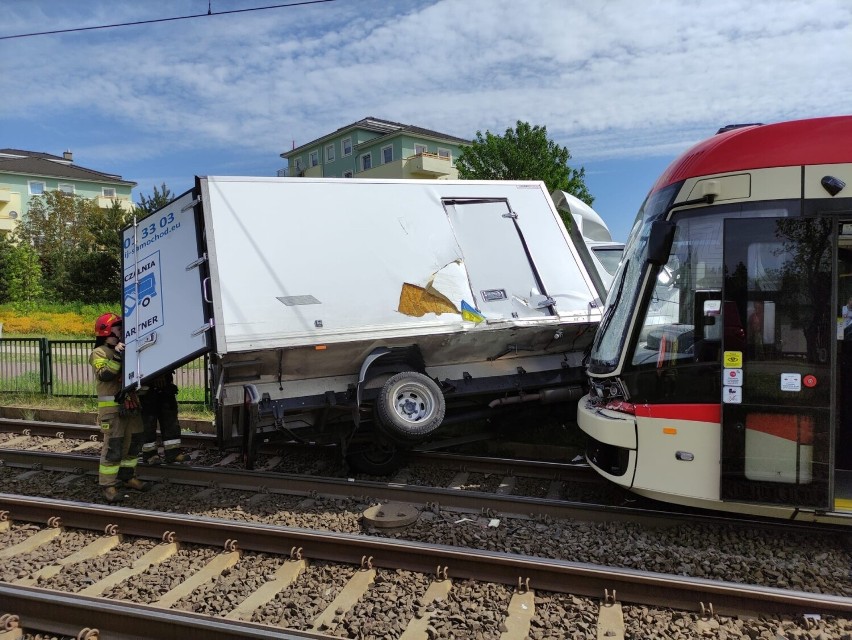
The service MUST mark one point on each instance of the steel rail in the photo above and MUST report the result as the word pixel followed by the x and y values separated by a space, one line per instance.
pixel 295 484
pixel 511 467
pixel 480 464
pixel 633 586
pixel 67 614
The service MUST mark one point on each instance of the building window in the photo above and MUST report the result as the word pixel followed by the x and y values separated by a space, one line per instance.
pixel 314 158
pixel 387 154
pixel 67 189
pixel 419 148
pixel 346 146
pixel 443 153
pixel 347 174
pixel 108 192
pixel 329 153
pixel 366 161
pixel 37 188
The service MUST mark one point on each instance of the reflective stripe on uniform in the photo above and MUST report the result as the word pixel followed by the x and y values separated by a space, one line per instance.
pixel 129 462
pixel 171 444
pixel 112 365
pixel 107 401
pixel 149 446
pixel 108 469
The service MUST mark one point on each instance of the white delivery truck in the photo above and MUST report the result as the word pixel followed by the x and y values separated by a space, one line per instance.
pixel 362 313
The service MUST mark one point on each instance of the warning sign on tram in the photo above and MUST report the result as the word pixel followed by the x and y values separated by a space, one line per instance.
pixel 732 377
pixel 791 382
pixel 732 395
pixel 733 360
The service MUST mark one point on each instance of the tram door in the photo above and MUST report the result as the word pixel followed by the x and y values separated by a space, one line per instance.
pixel 843 363
pixel 777 384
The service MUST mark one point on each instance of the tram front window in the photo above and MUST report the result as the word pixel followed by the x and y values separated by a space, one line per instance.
pixel 692 276
pixel 623 294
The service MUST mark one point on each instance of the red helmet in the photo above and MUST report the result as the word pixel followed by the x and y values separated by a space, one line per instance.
pixel 105 323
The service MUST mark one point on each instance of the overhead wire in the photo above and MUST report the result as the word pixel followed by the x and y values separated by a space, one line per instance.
pixel 210 12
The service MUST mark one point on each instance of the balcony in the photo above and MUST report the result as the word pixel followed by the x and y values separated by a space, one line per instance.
pixel 105 202
pixel 430 165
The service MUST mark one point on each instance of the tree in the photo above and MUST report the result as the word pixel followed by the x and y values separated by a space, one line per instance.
pixel 523 153
pixel 56 222
pixel 78 246
pixel 20 272
pixel 95 270
pixel 55 227
pixel 149 204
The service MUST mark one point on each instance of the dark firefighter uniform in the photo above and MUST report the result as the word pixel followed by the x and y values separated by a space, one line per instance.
pixel 120 423
pixel 159 405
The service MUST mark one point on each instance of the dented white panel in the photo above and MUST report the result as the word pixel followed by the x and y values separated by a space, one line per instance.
pixel 305 261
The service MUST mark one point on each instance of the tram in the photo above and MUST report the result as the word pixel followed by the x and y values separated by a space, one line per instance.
pixel 721 373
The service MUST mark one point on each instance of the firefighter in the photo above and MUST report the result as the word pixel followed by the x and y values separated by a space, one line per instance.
pixel 118 414
pixel 159 405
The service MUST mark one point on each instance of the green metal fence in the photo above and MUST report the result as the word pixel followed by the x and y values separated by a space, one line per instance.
pixel 61 368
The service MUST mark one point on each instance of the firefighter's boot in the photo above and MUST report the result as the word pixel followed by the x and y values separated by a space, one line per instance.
pixel 137 485
pixel 113 495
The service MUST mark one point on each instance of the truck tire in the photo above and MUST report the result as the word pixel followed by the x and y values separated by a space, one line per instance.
pixel 410 406
pixel 380 458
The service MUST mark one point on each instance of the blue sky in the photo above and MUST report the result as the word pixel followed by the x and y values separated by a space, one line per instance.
pixel 625 85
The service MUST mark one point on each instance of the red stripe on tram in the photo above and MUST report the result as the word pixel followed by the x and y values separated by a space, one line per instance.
pixel 692 412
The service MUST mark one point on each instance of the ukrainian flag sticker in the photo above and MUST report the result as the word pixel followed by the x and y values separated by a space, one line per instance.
pixel 470 314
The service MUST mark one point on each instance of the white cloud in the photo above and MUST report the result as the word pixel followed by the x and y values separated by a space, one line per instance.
pixel 608 79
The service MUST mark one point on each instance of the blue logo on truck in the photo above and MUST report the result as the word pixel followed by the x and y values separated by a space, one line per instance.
pixel 143 306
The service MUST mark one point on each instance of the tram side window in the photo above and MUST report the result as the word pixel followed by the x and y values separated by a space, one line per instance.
pixel 766 262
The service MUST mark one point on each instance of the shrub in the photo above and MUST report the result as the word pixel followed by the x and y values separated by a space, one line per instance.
pixel 72 320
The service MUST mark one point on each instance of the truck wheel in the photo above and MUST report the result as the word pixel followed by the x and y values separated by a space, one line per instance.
pixel 380 458
pixel 410 406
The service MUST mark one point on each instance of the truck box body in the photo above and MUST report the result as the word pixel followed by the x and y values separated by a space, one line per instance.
pixel 306 290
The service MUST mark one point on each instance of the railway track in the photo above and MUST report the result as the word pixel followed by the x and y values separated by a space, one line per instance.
pixel 473 494
pixel 349 570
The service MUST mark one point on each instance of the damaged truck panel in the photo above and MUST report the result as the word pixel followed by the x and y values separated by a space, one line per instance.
pixel 367 312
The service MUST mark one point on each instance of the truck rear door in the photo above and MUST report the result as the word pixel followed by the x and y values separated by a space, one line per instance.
pixel 502 272
pixel 164 271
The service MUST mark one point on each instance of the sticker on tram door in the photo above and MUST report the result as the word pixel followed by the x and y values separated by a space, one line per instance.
pixel 733 359
pixel 732 377
pixel 732 395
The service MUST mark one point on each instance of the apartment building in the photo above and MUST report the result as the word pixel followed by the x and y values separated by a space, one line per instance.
pixel 27 174
pixel 375 148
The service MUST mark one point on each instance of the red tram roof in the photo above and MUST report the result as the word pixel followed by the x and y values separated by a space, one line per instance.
pixel 784 144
